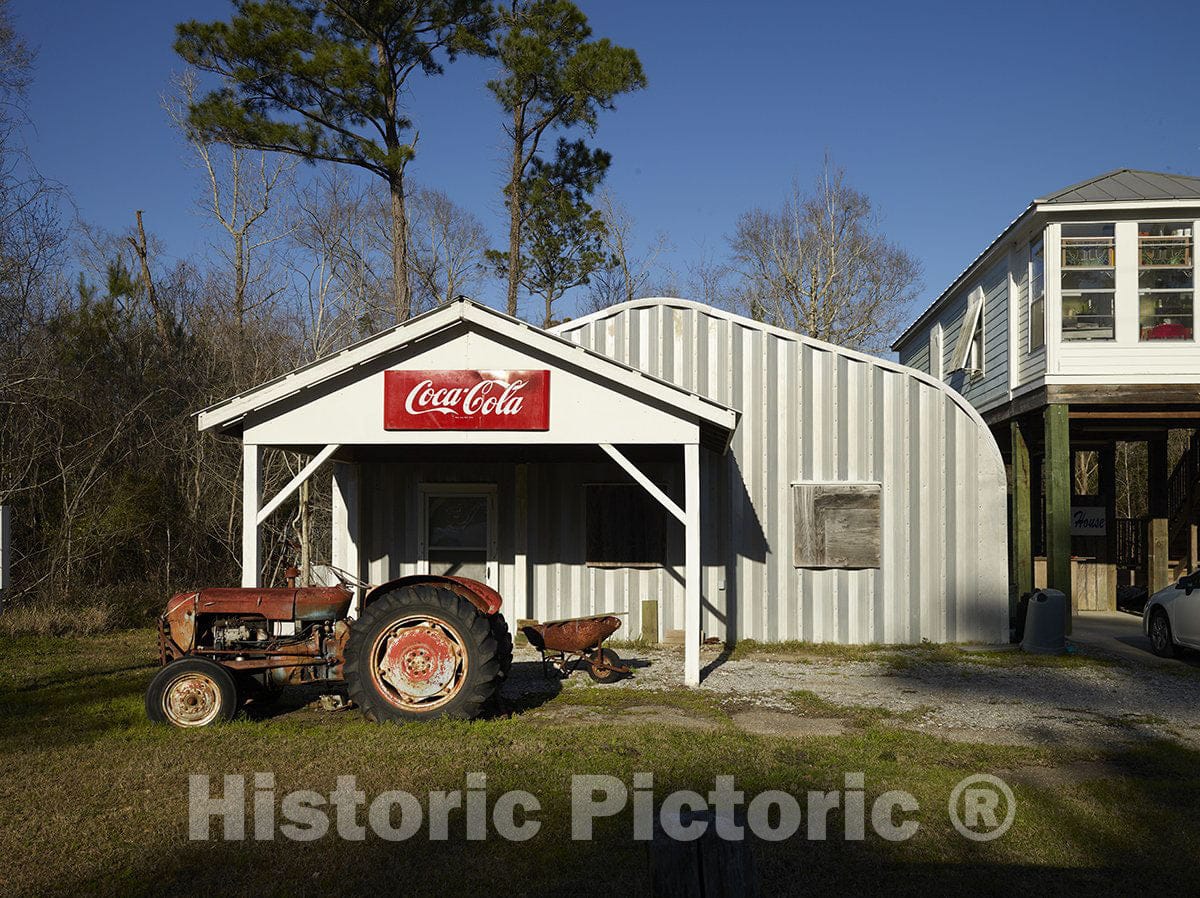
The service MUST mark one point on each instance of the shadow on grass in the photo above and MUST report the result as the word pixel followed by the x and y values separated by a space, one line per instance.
pixel 551 863
pixel 71 711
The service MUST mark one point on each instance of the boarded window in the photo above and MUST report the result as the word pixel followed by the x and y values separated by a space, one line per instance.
pixel 626 527
pixel 837 525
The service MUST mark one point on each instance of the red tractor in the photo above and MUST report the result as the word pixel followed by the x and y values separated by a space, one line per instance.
pixel 422 647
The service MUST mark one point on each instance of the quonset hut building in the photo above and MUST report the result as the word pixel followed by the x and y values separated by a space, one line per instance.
pixel 753 482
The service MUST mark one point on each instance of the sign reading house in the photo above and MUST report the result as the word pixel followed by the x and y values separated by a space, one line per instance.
pixel 466 400
pixel 1089 520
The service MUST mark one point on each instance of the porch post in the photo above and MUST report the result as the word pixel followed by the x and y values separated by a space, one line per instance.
pixel 520 607
pixel 691 612
pixel 1022 535
pixel 345 535
pixel 1158 564
pixel 251 495
pixel 1108 489
pixel 1058 503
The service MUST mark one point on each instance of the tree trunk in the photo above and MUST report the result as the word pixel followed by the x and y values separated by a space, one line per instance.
pixel 514 210
pixel 400 249
pixel 239 289
pixel 160 317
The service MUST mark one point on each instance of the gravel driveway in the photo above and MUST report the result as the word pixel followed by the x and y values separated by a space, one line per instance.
pixel 1109 701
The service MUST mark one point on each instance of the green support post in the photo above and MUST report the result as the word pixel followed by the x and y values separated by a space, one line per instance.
pixel 1108 490
pixel 1158 573
pixel 1022 519
pixel 1058 502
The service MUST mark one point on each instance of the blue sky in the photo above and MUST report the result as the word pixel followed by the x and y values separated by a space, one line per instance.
pixel 951 116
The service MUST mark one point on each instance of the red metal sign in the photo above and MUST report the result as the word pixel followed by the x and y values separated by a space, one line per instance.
pixel 466 400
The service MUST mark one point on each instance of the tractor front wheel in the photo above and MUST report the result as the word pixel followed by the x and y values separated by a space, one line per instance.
pixel 192 692
pixel 419 652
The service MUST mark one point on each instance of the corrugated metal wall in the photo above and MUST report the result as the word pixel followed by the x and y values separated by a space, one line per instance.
pixel 815 412
pixel 810 412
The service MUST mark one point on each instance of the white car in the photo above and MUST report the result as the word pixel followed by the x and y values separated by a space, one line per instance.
pixel 1172 616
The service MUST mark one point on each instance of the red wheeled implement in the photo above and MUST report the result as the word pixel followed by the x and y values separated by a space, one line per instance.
pixel 567 645
pixel 422 647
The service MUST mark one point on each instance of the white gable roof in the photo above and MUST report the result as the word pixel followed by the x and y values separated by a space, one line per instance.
pixel 228 415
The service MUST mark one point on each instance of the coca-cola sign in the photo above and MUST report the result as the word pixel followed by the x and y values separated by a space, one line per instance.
pixel 466 400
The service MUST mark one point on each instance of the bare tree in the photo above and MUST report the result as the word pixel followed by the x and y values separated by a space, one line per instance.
pixel 241 196
pixel 30 231
pixel 1087 473
pixel 632 270
pixel 820 266
pixel 162 319
pixel 446 257
pixel 339 263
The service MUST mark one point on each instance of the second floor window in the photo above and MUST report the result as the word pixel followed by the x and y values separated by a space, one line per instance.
pixel 1165 281
pixel 1089 263
pixel 968 348
pixel 1037 295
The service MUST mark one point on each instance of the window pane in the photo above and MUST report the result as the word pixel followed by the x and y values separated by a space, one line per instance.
pixel 1088 246
pixel 1037 323
pixel 1165 244
pixel 625 526
pixel 458 522
pixel 470 563
pixel 1088 280
pixel 1037 270
pixel 1165 278
pixel 1087 316
pixel 1166 316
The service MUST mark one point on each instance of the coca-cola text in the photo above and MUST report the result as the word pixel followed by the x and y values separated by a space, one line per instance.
pixel 466 400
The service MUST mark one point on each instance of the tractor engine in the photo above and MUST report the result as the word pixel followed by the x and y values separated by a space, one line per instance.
pixel 240 633
pixel 268 637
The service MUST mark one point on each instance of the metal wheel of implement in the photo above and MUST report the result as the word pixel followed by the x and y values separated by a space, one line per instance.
pixel 609 659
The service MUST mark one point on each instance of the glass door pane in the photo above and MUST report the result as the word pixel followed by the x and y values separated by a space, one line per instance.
pixel 458 535
pixel 458 522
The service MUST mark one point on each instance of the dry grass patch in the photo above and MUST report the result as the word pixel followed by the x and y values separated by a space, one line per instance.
pixel 55 618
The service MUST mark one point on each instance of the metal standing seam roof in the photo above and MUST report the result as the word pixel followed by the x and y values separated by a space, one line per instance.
pixel 1123 185
pixel 1127 185
pixel 780 332
pixel 222 415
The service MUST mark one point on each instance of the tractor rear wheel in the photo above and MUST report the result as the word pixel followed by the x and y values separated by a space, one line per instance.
pixel 420 652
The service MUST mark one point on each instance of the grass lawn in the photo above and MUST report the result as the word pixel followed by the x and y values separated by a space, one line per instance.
pixel 95 800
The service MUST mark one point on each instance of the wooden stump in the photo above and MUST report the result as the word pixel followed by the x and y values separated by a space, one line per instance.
pixel 707 867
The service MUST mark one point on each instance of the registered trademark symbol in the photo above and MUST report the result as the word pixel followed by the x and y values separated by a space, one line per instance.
pixel 976 805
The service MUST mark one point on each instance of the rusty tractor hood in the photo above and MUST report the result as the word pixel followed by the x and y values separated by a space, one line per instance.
pixel 310 603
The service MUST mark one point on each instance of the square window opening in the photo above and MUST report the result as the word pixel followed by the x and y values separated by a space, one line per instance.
pixel 626 527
